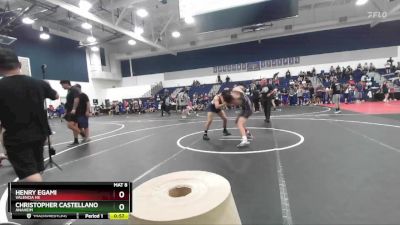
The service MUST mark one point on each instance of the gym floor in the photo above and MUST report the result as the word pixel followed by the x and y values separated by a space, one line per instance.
pixel 308 166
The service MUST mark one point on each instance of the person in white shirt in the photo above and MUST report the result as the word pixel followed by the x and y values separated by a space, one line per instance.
pixel 388 68
pixel 183 99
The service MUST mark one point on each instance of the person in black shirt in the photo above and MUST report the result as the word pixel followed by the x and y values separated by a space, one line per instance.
pixel 70 107
pixel 336 92
pixel 165 105
pixel 23 117
pixel 256 100
pixel 267 93
pixel 83 113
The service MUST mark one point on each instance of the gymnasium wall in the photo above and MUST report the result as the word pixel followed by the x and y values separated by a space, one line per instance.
pixel 377 56
pixel 62 56
pixel 321 42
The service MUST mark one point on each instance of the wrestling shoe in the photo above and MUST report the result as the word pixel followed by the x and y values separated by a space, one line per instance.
pixel 226 133
pixel 243 144
pixel 73 144
pixel 205 137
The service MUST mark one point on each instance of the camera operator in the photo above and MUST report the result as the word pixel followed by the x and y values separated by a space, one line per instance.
pixel 23 117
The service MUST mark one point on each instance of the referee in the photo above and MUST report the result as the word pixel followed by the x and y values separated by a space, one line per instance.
pixel 23 118
pixel 267 93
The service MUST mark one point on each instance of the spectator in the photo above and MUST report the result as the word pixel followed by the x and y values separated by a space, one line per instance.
pixel 365 68
pixel 22 116
pixel 256 100
pixel 313 72
pixel 390 61
pixel 227 79
pixel 385 91
pixel 372 67
pixel 346 94
pixel 388 68
pixel 398 66
pixel 311 90
pixel 165 104
pixel 332 71
pixel 288 75
pixel 318 96
pixel 219 78
pixel 292 95
pixel 300 95
pixel 359 67
pixel 338 70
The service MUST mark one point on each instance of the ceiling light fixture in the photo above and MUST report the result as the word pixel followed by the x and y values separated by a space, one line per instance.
pixel 131 42
pixel 142 13
pixel 176 34
pixel 361 2
pixel 94 49
pixel 27 20
pixel 44 36
pixel 139 30
pixel 189 20
pixel 91 39
pixel 86 26
pixel 85 5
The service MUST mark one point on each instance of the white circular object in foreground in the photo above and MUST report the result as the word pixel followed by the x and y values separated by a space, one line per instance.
pixel 185 197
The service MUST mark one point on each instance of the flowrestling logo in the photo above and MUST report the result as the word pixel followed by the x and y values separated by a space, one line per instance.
pixel 377 15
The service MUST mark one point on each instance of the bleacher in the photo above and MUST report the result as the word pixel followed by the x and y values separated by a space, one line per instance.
pixel 283 83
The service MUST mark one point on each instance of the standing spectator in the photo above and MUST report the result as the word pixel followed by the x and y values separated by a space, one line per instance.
pixel 288 75
pixel 165 104
pixel 318 96
pixel 338 70
pixel 256 100
pixel 227 79
pixel 359 67
pixel 312 94
pixel 388 68
pixel 390 61
pixel 385 91
pixel 300 95
pixel 292 95
pixel 183 99
pixel 336 92
pixel 219 78
pixel 332 71
pixel 83 113
pixel 313 72
pixel 23 117
pixel 70 106
pixel 346 94
pixel 365 68
pixel 266 100
pixel 285 96
pixel 372 67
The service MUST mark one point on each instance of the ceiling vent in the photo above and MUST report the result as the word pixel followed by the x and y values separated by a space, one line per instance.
pixel 289 27
pixel 153 49
pixel 343 19
pixel 234 36
pixel 6 40
pixel 193 43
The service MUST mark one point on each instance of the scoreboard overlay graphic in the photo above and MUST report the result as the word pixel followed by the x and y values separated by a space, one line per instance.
pixel 70 200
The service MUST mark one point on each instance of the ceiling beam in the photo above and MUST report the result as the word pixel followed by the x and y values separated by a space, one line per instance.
pixel 123 3
pixel 120 16
pixel 90 16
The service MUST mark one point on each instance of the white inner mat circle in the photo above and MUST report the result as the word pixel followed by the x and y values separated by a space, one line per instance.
pixel 240 152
